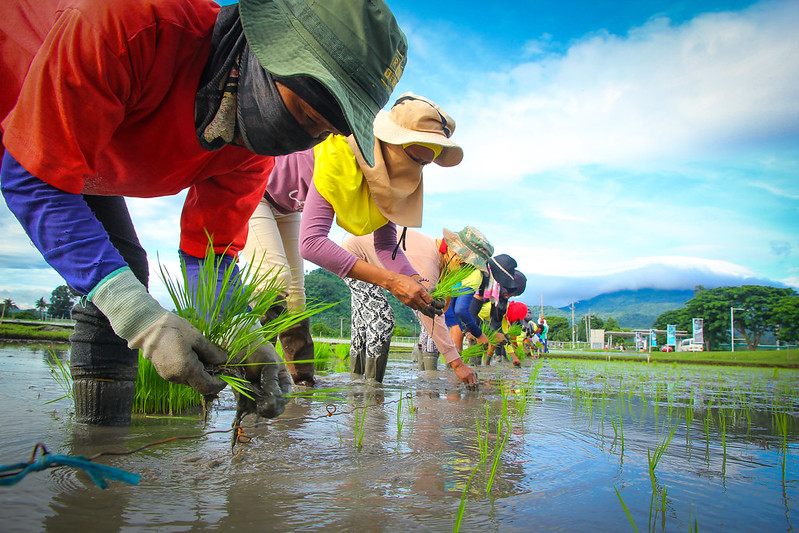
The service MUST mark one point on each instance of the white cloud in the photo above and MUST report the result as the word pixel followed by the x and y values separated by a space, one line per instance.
pixel 660 93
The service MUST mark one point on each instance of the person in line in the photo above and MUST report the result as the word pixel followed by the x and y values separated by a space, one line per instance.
pixel 460 316
pixel 146 98
pixel 429 257
pixel 504 282
pixel 330 181
pixel 514 315
pixel 273 249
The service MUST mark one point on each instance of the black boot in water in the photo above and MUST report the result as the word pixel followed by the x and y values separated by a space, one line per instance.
pixel 297 345
pixel 103 370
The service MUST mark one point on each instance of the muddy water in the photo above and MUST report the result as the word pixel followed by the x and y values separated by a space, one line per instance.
pixel 305 471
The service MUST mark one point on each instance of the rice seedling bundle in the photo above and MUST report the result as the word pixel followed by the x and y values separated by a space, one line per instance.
pixel 450 281
pixel 154 394
pixel 233 322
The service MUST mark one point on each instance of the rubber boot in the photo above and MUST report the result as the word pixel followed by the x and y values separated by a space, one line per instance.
pixel 357 364
pixel 103 370
pixel 297 345
pixel 430 360
pixel 417 357
pixel 375 368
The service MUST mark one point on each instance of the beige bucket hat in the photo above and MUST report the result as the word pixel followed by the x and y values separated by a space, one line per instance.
pixel 415 119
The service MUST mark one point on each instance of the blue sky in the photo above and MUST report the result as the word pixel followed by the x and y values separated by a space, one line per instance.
pixel 608 145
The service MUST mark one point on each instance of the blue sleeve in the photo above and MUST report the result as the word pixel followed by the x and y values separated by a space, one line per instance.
pixel 195 265
pixel 464 314
pixel 62 227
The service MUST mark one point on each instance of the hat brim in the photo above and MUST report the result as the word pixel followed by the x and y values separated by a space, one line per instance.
pixel 505 281
pixel 388 131
pixel 281 46
pixel 467 254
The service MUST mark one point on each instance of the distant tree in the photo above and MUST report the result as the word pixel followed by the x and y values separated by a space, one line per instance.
pixel 41 306
pixel 559 329
pixel 401 332
pixel 320 329
pixel 61 302
pixel 787 313
pixel 595 323
pixel 612 325
pixel 27 314
pixel 763 310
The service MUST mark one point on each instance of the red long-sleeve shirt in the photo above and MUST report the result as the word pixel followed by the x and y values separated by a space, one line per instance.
pixel 98 98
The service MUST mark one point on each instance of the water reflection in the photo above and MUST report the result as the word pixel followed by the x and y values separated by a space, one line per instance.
pixel 304 471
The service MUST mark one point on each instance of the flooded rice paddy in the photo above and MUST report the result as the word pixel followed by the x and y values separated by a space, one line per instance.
pixel 558 445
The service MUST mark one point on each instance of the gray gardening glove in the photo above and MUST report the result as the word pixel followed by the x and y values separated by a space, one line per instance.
pixel 270 383
pixel 177 349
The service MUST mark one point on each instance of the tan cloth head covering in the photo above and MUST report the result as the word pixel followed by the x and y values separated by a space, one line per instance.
pixel 395 181
pixel 415 119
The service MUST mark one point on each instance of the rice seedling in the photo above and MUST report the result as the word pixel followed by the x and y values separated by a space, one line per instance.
pixel 153 394
pixel 482 438
pixel 723 432
pixel 462 507
pixel 342 352
pixel 626 510
pixel 400 421
pixel 359 426
pixel 498 447
pixel 60 372
pixel 689 418
pixel 450 280
pixel 781 420
pixel 655 458
pixel 323 355
pixel 232 322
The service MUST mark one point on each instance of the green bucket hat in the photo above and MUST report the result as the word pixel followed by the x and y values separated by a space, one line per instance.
pixel 353 47
pixel 470 244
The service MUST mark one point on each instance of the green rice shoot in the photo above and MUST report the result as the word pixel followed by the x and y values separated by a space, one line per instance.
pixel 154 394
pixel 450 280
pixel 61 374
pixel 234 322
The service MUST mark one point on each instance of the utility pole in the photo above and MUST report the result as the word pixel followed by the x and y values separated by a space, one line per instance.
pixel 341 327
pixel 571 306
pixel 732 326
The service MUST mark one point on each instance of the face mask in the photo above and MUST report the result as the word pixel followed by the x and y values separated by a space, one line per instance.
pixel 265 125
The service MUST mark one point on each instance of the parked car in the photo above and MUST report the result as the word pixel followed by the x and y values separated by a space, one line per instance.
pixel 688 345
pixel 667 348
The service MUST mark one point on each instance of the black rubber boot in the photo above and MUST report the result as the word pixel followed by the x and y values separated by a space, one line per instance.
pixel 103 370
pixel 297 345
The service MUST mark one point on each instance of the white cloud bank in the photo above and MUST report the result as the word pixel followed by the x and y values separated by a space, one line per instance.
pixel 662 92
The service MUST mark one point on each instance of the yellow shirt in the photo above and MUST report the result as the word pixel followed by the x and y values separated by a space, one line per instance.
pixel 340 181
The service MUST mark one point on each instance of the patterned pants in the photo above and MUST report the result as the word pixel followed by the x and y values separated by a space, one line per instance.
pixel 426 342
pixel 372 324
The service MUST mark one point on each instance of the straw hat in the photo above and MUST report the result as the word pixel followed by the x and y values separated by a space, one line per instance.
pixel 470 244
pixel 354 48
pixel 415 119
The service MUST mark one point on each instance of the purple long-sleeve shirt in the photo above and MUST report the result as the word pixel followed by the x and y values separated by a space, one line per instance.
pixel 291 188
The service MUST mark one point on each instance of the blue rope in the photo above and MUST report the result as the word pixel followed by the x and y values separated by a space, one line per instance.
pixel 98 472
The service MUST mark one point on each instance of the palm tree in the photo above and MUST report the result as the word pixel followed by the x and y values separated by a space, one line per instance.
pixel 41 305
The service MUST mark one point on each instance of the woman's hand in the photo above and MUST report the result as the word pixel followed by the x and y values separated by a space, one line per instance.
pixel 408 290
pixel 465 373
pixel 413 293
